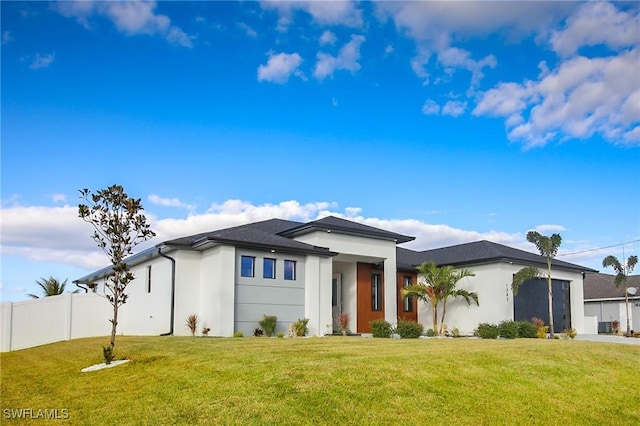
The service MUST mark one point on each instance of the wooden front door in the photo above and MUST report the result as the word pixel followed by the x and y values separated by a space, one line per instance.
pixel 370 295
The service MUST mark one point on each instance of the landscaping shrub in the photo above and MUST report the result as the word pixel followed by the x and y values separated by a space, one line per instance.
pixel 381 328
pixel 268 324
pixel 238 334
pixel 300 327
pixel 527 330
pixel 487 331
pixel 192 323
pixel 508 329
pixel 343 323
pixel 540 327
pixel 409 329
pixel 258 332
pixel 280 334
pixel 109 355
pixel 569 333
pixel 431 333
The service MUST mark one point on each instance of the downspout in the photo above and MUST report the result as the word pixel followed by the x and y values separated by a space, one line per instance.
pixel 84 288
pixel 173 290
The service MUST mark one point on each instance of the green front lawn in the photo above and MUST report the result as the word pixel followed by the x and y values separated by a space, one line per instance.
pixel 334 380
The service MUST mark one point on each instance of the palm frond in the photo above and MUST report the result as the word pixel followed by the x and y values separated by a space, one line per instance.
pixel 524 274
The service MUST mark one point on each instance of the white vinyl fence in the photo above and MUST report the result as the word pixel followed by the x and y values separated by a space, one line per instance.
pixel 53 319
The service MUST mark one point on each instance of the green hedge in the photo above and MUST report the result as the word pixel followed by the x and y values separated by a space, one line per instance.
pixel 409 329
pixel 381 328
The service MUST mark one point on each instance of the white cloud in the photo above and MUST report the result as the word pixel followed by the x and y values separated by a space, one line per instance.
pixel 549 228
pixel 389 49
pixel 279 67
pixel 129 17
pixel 322 12
pixel 597 23
pixel 431 107
pixel 454 108
pixel 59 198
pixel 42 61
pixel 56 234
pixel 247 30
pixel 347 59
pixel 581 97
pixel 169 202
pixel 6 37
pixel 438 26
pixel 327 37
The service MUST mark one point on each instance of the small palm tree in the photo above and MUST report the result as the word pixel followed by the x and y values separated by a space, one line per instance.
pixel 429 290
pixel 50 287
pixel 450 291
pixel 439 285
pixel 622 272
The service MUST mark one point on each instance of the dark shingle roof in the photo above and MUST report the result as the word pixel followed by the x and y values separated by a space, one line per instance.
pixel 602 286
pixel 259 235
pixel 481 252
pixel 338 225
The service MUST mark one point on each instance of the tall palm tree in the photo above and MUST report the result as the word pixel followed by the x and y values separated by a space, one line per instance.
pixel 450 291
pixel 50 287
pixel 548 247
pixel 438 285
pixel 622 272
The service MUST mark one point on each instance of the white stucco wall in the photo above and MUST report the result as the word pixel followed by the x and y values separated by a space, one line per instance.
pixel 317 296
pixel 147 313
pixel 492 282
pixel 217 290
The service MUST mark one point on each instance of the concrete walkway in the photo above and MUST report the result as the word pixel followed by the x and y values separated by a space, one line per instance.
pixel 608 338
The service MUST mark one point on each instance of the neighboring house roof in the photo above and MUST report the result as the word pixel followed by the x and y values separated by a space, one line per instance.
pixel 481 252
pixel 602 287
pixel 343 226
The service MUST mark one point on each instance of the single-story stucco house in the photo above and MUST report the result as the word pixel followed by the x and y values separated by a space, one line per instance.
pixel 232 277
pixel 604 300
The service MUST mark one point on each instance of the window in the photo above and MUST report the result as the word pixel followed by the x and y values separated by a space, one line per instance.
pixel 376 292
pixel 407 302
pixel 289 269
pixel 269 268
pixel 247 264
pixel 149 279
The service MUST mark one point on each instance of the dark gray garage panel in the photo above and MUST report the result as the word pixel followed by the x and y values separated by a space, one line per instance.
pixel 532 301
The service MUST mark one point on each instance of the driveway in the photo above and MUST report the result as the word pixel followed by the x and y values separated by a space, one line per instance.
pixel 607 338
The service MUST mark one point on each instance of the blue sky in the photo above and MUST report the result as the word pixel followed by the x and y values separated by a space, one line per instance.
pixel 451 122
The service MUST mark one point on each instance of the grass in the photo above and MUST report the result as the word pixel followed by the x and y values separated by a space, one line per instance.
pixel 337 380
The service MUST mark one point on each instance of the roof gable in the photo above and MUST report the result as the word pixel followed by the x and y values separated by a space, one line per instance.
pixel 344 226
pixel 262 234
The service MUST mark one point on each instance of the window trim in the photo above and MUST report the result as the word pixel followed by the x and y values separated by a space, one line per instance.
pixel 264 268
pixel 407 302
pixel 253 266
pixel 376 292
pixel 293 270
